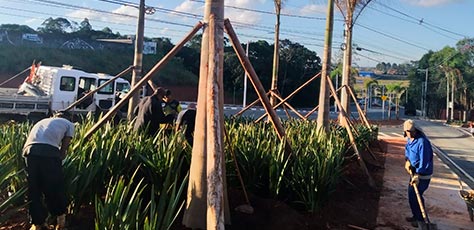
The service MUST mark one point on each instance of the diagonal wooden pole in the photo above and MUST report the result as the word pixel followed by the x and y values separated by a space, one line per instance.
pixel 293 93
pixel 277 96
pixel 316 108
pixel 248 106
pixel 345 122
pixel 18 74
pixel 361 113
pixel 143 80
pixel 254 79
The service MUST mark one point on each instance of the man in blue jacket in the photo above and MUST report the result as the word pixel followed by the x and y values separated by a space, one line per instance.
pixel 419 164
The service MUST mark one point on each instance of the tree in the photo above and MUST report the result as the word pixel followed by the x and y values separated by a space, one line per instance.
pixel 323 114
pixel 85 26
pixel 276 52
pixel 368 91
pixel 107 30
pixel 17 28
pixel 394 89
pixel 58 25
pixel 348 8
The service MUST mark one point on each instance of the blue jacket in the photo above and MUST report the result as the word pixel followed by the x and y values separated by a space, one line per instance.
pixel 420 154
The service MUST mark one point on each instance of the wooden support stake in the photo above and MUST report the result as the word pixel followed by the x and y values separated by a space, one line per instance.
pixel 293 93
pixel 239 50
pixel 284 103
pixel 142 81
pixel 364 118
pixel 361 113
pixel 98 88
pixel 345 123
pixel 15 76
pixel 316 108
pixel 248 106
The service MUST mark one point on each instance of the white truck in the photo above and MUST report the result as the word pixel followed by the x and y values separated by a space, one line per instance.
pixel 49 88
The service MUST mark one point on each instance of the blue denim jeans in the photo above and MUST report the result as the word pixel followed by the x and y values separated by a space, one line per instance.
pixel 415 207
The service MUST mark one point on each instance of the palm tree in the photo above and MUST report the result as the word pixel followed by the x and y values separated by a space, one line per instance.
pixel 368 89
pixel 323 114
pixel 276 53
pixel 394 88
pixel 348 8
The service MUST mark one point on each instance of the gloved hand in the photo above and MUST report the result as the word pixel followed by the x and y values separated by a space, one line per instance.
pixel 414 180
pixel 407 166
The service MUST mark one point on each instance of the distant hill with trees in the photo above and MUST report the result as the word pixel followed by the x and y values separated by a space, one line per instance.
pixel 61 42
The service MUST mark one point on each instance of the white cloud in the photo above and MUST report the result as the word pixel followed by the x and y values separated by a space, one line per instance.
pixel 430 3
pixel 233 14
pixel 190 7
pixel 313 9
pixel 93 15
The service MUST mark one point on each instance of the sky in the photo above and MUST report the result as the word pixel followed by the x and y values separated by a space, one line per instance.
pixel 390 31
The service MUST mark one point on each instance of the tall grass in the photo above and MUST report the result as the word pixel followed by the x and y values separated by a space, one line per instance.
pixel 132 179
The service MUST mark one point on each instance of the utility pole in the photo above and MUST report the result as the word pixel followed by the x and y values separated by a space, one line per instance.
pixel 137 61
pixel 424 91
pixel 425 108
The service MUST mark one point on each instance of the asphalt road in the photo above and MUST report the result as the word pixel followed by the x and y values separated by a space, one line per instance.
pixel 256 111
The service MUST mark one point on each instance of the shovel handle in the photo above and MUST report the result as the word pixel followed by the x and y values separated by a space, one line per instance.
pixel 420 202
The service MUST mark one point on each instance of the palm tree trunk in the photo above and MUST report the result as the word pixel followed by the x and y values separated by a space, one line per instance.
pixel 347 62
pixel 207 128
pixel 276 53
pixel 323 114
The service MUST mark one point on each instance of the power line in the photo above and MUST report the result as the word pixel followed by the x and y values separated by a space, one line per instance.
pixel 420 20
pixel 107 12
pixel 416 22
pixel 392 37
pixel 241 24
pixel 267 12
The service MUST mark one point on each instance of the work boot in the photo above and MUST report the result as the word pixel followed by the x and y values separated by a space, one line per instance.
pixel 61 222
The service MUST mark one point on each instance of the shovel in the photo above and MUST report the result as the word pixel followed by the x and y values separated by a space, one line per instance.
pixel 427 225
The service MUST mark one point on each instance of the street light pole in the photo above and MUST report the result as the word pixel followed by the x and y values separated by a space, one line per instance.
pixel 425 108
pixel 423 91
pixel 244 100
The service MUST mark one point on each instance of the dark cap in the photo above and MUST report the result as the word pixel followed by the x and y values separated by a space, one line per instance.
pixel 160 91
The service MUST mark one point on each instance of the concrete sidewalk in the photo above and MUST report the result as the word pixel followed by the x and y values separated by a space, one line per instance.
pixel 444 205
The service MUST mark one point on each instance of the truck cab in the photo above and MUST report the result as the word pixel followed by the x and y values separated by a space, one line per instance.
pixel 65 85
pixel 111 93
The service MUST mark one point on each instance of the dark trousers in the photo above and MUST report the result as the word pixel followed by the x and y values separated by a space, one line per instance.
pixel 45 178
pixel 415 207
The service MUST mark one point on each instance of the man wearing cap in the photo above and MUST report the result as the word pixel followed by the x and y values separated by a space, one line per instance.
pixel 419 164
pixel 44 150
pixel 149 113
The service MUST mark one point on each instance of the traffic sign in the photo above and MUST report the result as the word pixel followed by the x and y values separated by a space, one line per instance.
pixel 384 98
